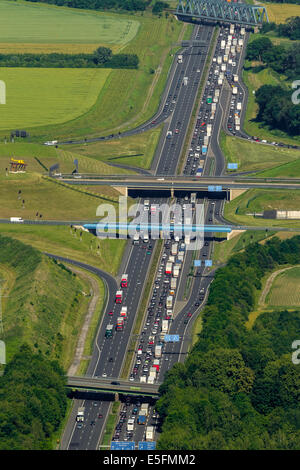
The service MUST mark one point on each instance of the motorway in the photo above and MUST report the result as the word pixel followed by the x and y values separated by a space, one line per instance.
pixel 109 353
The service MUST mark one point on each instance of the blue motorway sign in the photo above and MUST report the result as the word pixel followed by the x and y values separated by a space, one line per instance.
pixel 197 262
pixel 171 338
pixel 143 445
pixel 214 188
pixel 232 166
pixel 208 262
pixel 122 445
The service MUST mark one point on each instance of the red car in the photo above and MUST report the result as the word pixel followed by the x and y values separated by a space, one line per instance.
pixel 110 313
pixel 189 314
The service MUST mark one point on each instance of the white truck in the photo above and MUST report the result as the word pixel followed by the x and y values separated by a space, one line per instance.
pixel 174 249
pixel 239 106
pixel 136 238
pixel 169 301
pixel 150 380
pixel 80 414
pixel 143 379
pixel 16 219
pixel 149 433
pixel 145 408
pixel 158 351
pixel 130 424
pixel 234 90
pixel 153 372
pixel 173 283
pixel 176 270
pixel 179 59
pixel 165 326
pixel 168 269
pixel 185 80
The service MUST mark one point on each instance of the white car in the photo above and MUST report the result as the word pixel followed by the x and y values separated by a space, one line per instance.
pixel 104 374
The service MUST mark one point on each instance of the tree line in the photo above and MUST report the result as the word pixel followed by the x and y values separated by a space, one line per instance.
pixel 101 58
pixel 290 29
pixel 129 5
pixel 33 401
pixel 238 388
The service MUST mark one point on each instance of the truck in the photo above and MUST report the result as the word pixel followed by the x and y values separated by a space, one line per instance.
pixel 209 100
pixel 209 128
pixel 204 149
pixel 219 60
pixel 239 106
pixel 158 351
pixel 213 106
pixel 123 312
pixel 174 249
pixel 141 419
pixel 187 239
pixel 119 297
pixel 243 31
pixel 149 433
pixel 173 283
pixel 120 324
pixel 146 203
pixel 223 44
pixel 193 198
pixel 145 408
pixel 150 380
pixel 226 57
pixel 176 271
pixel 109 331
pixel 171 259
pixel 153 372
pixel 205 140
pixel 223 68
pixel 16 219
pixel 156 364
pixel 179 59
pixel 185 80
pixel 146 237
pixel 130 424
pixel 165 326
pixel 124 280
pixel 143 379
pixel 234 90
pixel 169 302
pixel 80 414
pixel 168 269
pixel 220 81
pixel 136 239
pixel 169 134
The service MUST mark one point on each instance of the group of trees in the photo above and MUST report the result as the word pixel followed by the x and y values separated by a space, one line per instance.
pixel 238 388
pixel 297 2
pixel 276 109
pixel 158 7
pixel 33 401
pixel 101 58
pixel 129 5
pixel 289 29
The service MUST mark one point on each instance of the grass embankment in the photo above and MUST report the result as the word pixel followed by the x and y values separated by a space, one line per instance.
pixel 256 201
pixel 136 151
pixel 45 304
pixel 285 290
pixel 111 424
pixel 65 242
pixel 250 156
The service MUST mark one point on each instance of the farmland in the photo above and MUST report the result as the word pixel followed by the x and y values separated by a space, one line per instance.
pixel 72 103
pixel 278 12
pixel 285 289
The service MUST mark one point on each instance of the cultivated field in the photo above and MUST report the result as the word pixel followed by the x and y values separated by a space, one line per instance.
pixel 278 12
pixel 23 22
pixel 285 289
pixel 48 96
pixel 252 156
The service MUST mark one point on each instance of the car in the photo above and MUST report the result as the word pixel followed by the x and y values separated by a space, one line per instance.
pixel 110 313
pixel 104 374
pixel 131 378
pixel 111 359
pixel 115 383
pixel 79 425
pixel 93 423
pixel 100 415
pixel 186 321
pixel 189 314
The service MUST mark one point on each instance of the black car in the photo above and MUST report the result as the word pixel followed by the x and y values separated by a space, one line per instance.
pixel 115 383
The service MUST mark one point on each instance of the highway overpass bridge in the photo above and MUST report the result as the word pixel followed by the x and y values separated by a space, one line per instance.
pixel 112 385
pixel 226 187
pixel 220 11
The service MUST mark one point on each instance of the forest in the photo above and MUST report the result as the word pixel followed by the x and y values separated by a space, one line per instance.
pixel 33 401
pixel 290 29
pixel 101 58
pixel 238 389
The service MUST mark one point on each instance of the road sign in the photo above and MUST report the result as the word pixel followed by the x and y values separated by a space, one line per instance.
pixel 232 166
pixel 197 263
pixel 208 262
pixel 171 338
pixel 218 188
pixel 214 188
pixel 143 445
pixel 122 445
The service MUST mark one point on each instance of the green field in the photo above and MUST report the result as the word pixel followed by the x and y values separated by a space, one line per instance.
pixel 252 156
pixel 23 22
pixel 278 12
pixel 75 103
pixel 258 200
pixel 136 151
pixel 285 289
pixel 35 97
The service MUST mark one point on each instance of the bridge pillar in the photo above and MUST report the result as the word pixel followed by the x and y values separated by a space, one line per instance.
pixel 172 192
pixel 116 396
pixel 122 189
